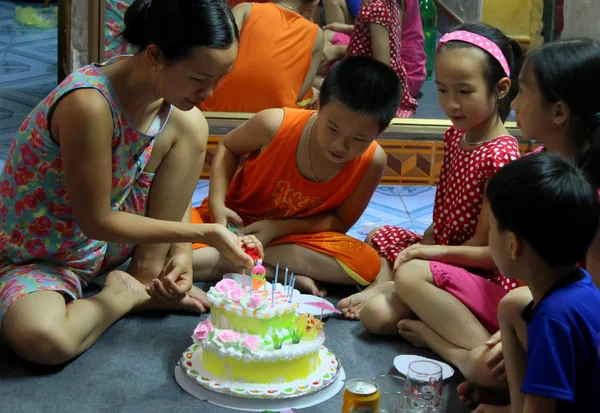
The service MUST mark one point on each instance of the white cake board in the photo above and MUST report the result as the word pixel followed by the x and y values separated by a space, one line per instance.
pixel 258 405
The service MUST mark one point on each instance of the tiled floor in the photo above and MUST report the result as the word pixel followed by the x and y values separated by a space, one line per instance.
pixel 28 70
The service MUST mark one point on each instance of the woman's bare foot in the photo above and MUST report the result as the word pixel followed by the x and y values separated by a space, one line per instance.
pixel 415 332
pixel 471 395
pixel 309 286
pixel 131 290
pixel 351 306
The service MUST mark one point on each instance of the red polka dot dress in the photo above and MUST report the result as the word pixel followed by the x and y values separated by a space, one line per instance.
pixel 458 197
pixel 387 14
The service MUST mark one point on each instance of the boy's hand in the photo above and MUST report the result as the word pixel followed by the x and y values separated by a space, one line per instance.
pixel 265 231
pixel 424 252
pixel 495 361
pixel 223 216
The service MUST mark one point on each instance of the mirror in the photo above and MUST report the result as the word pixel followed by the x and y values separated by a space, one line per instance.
pixel 530 22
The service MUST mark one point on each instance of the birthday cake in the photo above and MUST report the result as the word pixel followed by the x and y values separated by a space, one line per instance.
pixel 254 334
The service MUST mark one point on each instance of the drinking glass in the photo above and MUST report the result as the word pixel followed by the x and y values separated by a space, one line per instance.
pixel 412 404
pixel 424 380
pixel 391 388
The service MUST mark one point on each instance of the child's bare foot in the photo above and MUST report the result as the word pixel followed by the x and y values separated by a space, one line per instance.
pixel 415 332
pixel 471 395
pixel 309 286
pixel 351 306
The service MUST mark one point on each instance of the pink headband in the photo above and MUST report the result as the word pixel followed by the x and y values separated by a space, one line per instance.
pixel 479 41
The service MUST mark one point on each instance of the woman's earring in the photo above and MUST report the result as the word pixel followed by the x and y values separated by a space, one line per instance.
pixel 154 68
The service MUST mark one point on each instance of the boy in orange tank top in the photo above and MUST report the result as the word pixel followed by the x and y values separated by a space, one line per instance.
pixel 308 178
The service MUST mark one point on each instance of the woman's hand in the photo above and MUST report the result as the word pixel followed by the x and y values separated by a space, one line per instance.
pixel 251 243
pixel 228 244
pixel 265 231
pixel 175 279
pixel 424 252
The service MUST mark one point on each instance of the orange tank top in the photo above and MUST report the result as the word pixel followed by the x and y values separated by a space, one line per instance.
pixel 274 56
pixel 269 185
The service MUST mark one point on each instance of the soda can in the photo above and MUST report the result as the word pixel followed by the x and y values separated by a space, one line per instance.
pixel 361 396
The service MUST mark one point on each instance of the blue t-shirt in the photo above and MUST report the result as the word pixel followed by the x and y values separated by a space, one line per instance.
pixel 563 343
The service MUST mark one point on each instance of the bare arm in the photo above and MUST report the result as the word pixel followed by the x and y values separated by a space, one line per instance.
pixel 592 260
pixel 249 137
pixel 240 13
pixel 380 42
pixel 346 215
pixel 428 236
pixel 340 27
pixel 336 11
pixel 480 238
pixel 317 55
pixel 536 404
pixel 82 124
pixel 468 256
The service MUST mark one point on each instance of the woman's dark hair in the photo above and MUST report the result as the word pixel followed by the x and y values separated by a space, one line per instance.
pixel 567 71
pixel 493 70
pixel 365 85
pixel 177 26
pixel 550 183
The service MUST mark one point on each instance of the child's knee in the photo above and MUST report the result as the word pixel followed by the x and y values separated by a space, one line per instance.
pixel 369 239
pixel 377 316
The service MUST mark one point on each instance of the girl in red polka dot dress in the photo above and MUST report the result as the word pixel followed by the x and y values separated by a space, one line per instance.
pixel 377 33
pixel 441 276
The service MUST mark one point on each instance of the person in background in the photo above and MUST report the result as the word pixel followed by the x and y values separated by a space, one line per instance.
pixel 279 55
pixel 341 14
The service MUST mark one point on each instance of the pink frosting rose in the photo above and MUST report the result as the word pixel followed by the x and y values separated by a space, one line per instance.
pixel 203 329
pixel 235 295
pixel 225 285
pixel 256 300
pixel 251 343
pixel 228 336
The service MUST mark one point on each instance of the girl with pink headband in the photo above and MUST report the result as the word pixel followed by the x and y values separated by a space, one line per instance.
pixel 430 276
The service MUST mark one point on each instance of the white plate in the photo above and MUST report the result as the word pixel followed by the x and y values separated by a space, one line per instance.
pixel 402 362
pixel 311 309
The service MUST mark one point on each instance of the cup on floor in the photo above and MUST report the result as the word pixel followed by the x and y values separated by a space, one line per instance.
pixel 424 380
pixel 412 404
pixel 391 389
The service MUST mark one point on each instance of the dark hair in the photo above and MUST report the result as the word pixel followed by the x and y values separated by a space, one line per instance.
pixel 567 71
pixel 547 184
pixel 493 70
pixel 177 26
pixel 365 85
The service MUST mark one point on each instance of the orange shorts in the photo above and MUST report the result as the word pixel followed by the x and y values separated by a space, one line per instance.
pixel 359 260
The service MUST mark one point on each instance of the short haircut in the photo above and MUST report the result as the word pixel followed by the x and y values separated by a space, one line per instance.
pixel 364 85
pixel 548 202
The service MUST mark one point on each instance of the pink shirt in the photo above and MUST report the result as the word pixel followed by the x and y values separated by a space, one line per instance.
pixel 413 47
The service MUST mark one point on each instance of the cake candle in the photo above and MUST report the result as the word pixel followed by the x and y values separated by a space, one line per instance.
pixel 244 275
pixel 285 280
pixel 292 289
pixel 287 290
pixel 273 286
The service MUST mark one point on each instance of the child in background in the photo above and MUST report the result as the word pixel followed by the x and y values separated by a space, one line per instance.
pixel 279 55
pixel 340 16
pixel 554 367
pixel 376 33
pixel 308 178
pixel 429 282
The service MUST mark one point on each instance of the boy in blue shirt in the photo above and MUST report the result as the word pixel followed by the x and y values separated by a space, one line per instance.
pixel 543 217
